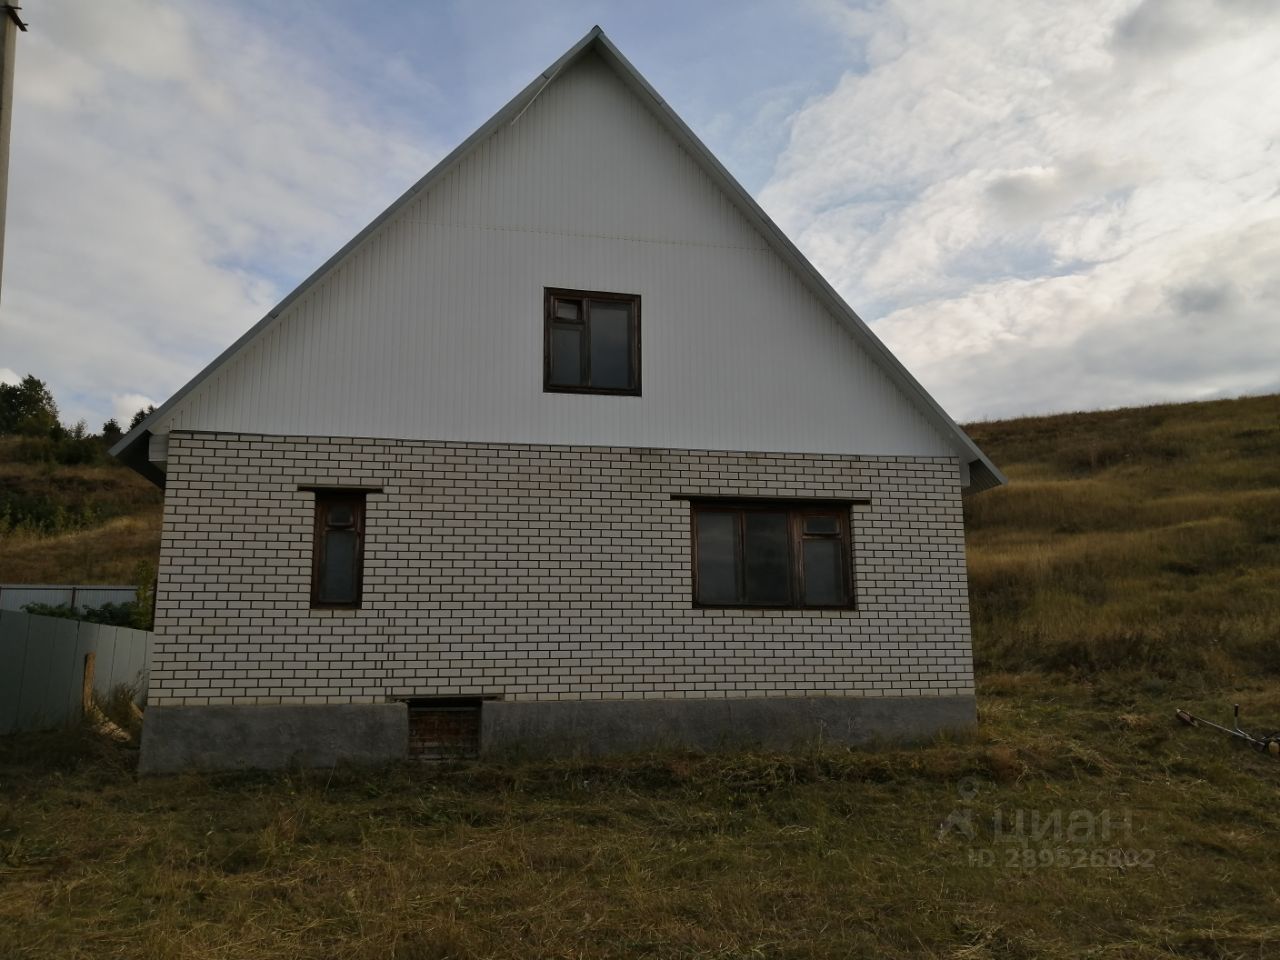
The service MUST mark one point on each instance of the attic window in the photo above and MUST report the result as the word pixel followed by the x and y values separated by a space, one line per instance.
pixel 591 342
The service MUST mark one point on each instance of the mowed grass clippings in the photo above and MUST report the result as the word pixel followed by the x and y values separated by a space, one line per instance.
pixel 1140 838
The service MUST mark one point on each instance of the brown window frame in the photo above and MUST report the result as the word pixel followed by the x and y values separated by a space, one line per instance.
pixel 797 512
pixel 584 298
pixel 326 499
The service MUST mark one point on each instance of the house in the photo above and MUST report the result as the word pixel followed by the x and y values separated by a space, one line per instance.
pixel 569 450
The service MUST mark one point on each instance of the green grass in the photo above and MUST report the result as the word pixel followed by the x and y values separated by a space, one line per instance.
pixel 1133 566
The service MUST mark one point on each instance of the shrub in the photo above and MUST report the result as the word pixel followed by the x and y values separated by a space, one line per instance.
pixel 112 614
pixel 69 450
pixel 41 514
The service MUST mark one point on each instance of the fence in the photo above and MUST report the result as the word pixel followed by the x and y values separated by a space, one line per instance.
pixel 15 596
pixel 42 667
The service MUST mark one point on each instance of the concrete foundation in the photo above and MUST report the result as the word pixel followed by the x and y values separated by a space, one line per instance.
pixel 272 737
pixel 594 727
pixel 320 735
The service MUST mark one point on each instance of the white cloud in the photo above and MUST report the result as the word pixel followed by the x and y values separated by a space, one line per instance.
pixel 174 172
pixel 125 405
pixel 1051 206
pixel 9 378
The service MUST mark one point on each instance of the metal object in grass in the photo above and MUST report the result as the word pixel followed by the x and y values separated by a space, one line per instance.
pixel 1266 743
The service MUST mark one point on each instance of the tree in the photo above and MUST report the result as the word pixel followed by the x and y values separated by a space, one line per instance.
pixel 28 407
pixel 111 432
pixel 141 415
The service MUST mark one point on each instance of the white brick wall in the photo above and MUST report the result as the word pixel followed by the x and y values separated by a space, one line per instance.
pixel 536 572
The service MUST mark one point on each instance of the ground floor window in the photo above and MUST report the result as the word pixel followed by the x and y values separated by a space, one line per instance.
pixel 337 559
pixel 771 554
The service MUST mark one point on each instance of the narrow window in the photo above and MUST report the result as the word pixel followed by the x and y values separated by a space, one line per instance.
pixel 591 342
pixel 775 555
pixel 338 552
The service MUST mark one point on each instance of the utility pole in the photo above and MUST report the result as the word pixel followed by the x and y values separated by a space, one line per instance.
pixel 12 23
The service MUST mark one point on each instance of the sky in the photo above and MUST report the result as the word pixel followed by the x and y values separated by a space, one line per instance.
pixel 1039 206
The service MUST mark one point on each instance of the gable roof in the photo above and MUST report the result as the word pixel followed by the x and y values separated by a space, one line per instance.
pixel 983 474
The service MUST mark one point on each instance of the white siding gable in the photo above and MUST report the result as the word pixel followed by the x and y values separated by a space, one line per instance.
pixel 432 328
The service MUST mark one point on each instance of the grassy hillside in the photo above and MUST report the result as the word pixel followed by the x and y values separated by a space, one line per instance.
pixel 1143 540
pixel 89 522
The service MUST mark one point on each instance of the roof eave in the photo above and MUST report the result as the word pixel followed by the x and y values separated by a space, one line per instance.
pixel 983 475
pixel 137 455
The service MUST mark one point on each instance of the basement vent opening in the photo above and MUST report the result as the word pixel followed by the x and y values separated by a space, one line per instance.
pixel 444 728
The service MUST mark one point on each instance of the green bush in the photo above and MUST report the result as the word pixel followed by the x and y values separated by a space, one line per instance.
pixel 68 450
pixel 39 513
pixel 112 614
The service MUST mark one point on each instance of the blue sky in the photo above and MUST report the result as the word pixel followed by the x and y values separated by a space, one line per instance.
pixel 716 62
pixel 1039 206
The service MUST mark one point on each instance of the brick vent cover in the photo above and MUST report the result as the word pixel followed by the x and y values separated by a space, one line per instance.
pixel 444 730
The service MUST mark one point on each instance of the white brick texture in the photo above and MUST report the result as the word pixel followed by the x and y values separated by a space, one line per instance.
pixel 538 573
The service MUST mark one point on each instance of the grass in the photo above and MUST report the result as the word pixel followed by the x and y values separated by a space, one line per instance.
pixel 1133 566
pixel 831 854
pixel 110 553
pixel 1144 540
pixel 88 523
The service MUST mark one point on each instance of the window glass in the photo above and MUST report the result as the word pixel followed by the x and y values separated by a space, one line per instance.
pixel 717 550
pixel 610 344
pixel 767 558
pixel 823 573
pixel 821 525
pixel 566 310
pixel 566 356
pixel 338 583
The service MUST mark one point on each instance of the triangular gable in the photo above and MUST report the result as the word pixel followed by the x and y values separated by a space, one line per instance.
pixel 982 473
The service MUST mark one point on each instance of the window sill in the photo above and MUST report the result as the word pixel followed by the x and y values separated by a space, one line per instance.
pixel 600 391
pixel 758 608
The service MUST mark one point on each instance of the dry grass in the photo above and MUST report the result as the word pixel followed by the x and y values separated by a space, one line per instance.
pixel 108 521
pixel 109 553
pixel 1142 540
pixel 832 854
